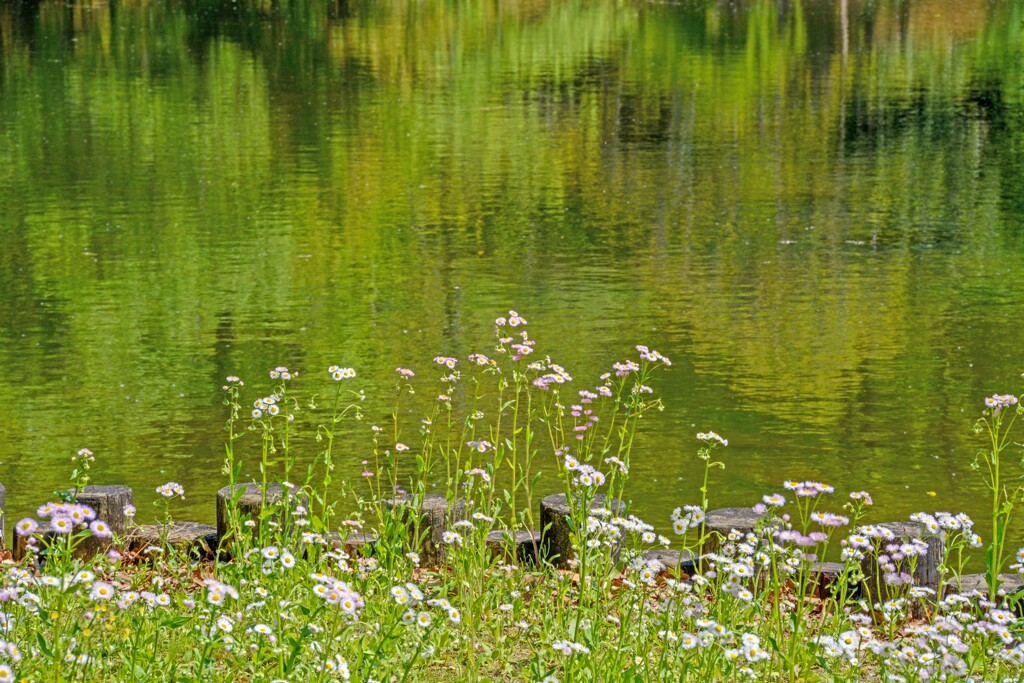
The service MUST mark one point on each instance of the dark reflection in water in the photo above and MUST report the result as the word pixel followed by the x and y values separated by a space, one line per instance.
pixel 813 208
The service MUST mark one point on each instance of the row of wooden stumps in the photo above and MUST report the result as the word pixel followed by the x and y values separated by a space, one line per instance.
pixel 553 543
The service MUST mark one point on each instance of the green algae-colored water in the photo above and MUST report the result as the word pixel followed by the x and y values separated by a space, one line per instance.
pixel 816 209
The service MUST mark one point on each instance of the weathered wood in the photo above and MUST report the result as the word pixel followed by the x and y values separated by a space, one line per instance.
pixel 109 503
pixel 926 566
pixel 676 561
pixel 250 505
pixel 967 583
pixel 20 547
pixel 195 539
pixel 823 578
pixel 718 524
pixel 433 515
pixel 354 542
pixel 521 547
pixel 556 529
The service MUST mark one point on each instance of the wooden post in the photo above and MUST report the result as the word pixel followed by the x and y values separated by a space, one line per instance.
pixel 968 583
pixel 521 547
pixel 353 544
pixel 926 566
pixel 433 517
pixel 556 530
pixel 676 561
pixel 718 524
pixel 250 505
pixel 823 577
pixel 109 503
pixel 197 540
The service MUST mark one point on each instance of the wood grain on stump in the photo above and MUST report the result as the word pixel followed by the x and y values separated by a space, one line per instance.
pixel 926 566
pixel 433 516
pixel 556 530
pixel 195 539
pixel 250 505
pixel 718 524
pixel 353 544
pixel 1009 583
pixel 108 502
pixel 521 547
pixel 675 561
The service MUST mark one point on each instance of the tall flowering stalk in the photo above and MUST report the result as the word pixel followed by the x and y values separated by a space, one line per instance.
pixel 996 421
pixel 328 433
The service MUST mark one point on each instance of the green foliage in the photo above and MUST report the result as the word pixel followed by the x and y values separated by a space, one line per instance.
pixel 300 599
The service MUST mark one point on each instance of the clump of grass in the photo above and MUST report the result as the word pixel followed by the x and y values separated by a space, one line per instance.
pixel 290 598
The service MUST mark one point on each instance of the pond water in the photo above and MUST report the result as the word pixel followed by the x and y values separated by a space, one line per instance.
pixel 816 209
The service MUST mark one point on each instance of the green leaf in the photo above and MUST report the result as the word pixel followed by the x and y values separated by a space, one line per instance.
pixel 175 621
pixel 43 646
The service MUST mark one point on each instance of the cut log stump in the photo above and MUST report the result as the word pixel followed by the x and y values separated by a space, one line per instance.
pixel 682 562
pixel 433 515
pixel 886 573
pixel 556 528
pixel 109 504
pixel 521 547
pixel 353 544
pixel 250 505
pixel 719 524
pixel 968 583
pixel 192 538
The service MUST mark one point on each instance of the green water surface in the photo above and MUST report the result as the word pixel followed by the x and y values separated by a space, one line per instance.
pixel 815 208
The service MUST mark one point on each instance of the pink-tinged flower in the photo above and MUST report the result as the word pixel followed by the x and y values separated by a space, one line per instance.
pixel 77 514
pixel 101 529
pixel 401 447
pixel 171 489
pixel 102 590
pixel 712 436
pixel 283 373
pixel 863 496
pixel 26 527
pixel 405 372
pixel 61 525
pixel 997 401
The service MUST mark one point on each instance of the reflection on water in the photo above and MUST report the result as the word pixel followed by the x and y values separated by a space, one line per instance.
pixel 813 208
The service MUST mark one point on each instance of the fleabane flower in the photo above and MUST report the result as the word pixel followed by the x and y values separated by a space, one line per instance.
pixel 100 529
pixel 171 489
pixel 101 590
pixel 61 525
pixel 708 437
pixel 26 527
pixel 338 374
